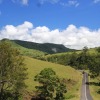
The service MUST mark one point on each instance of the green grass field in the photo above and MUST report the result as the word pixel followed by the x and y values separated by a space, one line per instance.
pixel 35 66
pixel 94 89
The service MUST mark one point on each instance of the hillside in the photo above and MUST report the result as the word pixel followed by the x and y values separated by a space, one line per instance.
pixel 63 58
pixel 35 66
pixel 45 47
pixel 25 51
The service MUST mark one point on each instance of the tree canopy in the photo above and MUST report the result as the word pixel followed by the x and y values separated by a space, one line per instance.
pixel 50 85
pixel 12 72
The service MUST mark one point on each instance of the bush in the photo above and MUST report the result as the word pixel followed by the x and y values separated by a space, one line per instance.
pixel 51 87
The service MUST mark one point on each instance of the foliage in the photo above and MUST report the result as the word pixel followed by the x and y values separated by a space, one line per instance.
pixel 74 59
pixel 12 72
pixel 25 51
pixel 82 60
pixel 35 66
pixel 46 47
pixel 98 49
pixel 94 65
pixel 49 85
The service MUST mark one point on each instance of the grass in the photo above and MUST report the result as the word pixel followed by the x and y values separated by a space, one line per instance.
pixel 35 66
pixel 94 88
pixel 25 51
pixel 91 51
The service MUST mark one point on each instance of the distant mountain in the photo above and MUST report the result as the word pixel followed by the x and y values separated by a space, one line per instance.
pixel 48 48
pixel 25 51
pixel 45 47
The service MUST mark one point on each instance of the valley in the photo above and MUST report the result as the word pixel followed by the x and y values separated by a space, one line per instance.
pixel 65 67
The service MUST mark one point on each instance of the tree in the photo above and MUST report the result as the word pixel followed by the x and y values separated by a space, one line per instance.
pixel 73 60
pixel 94 65
pixel 12 72
pixel 98 49
pixel 82 59
pixel 49 85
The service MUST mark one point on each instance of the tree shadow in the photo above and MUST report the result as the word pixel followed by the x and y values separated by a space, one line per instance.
pixel 93 83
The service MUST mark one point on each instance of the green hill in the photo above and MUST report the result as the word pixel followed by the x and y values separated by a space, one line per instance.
pixel 36 49
pixel 25 51
pixel 63 58
pixel 35 66
pixel 45 47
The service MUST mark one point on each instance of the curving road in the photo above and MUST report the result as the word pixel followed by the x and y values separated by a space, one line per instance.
pixel 85 92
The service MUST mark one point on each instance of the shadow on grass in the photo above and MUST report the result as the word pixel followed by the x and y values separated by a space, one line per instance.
pixel 93 83
pixel 98 91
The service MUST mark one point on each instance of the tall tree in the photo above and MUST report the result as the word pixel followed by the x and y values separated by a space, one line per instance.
pixel 12 72
pixel 94 64
pixel 82 60
pixel 49 85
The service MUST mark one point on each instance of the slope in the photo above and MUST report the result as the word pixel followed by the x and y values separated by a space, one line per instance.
pixel 25 51
pixel 49 48
pixel 35 66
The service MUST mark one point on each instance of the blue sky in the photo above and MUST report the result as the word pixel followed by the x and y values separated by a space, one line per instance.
pixel 51 13
pixel 50 16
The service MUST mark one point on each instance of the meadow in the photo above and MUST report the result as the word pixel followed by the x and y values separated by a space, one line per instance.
pixel 35 66
pixel 95 88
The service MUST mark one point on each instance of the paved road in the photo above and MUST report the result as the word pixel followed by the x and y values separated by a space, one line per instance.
pixel 85 92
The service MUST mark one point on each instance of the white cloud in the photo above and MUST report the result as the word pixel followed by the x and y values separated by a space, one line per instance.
pixel 71 37
pixel 21 32
pixel 70 3
pixel 23 2
pixel 63 3
pixel 96 1
pixel 50 1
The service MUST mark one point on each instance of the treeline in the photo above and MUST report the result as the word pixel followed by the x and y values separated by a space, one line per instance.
pixel 84 60
pixel 78 60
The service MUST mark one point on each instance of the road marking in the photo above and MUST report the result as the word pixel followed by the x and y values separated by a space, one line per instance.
pixel 85 88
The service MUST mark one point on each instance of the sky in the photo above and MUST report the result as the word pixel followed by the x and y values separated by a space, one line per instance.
pixel 73 23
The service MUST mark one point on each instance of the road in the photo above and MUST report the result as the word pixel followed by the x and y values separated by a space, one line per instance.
pixel 85 92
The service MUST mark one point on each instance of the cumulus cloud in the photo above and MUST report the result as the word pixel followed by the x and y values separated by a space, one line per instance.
pixel 73 3
pixel 21 32
pixel 71 37
pixel 96 1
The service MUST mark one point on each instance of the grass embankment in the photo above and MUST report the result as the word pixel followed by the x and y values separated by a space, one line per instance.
pixel 95 89
pixel 35 66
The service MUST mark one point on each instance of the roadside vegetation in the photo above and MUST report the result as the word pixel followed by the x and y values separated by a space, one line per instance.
pixel 87 59
pixel 95 88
